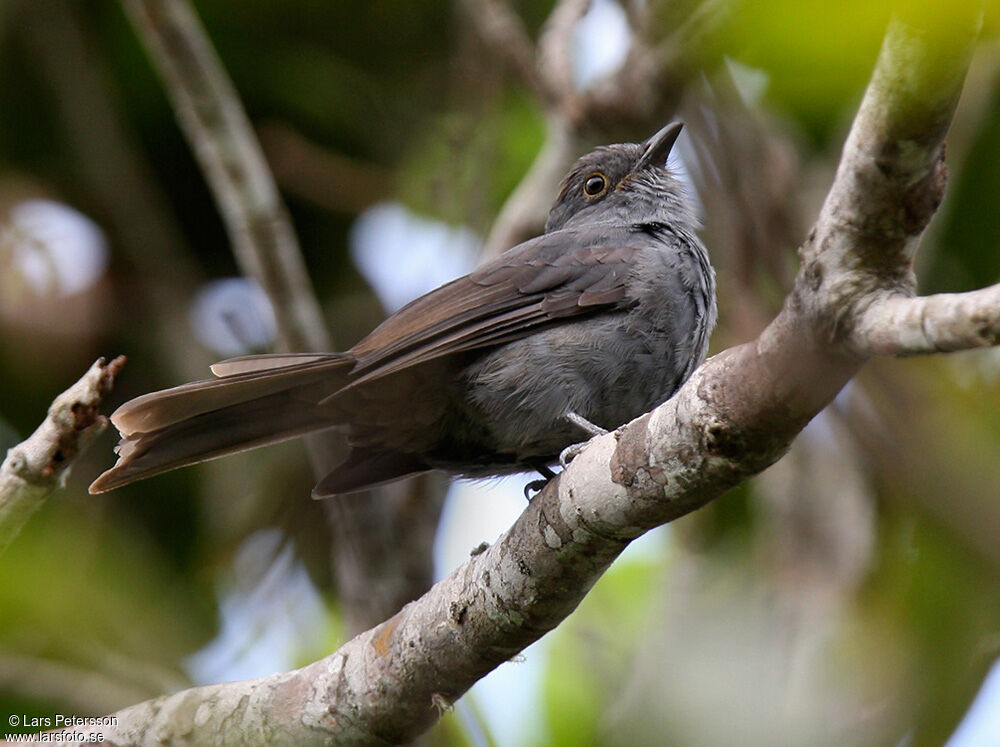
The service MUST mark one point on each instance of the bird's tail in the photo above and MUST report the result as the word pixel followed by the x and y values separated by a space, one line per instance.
pixel 256 400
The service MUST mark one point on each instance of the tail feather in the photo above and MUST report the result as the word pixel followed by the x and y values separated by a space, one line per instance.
pixel 251 363
pixel 157 410
pixel 368 468
pixel 208 419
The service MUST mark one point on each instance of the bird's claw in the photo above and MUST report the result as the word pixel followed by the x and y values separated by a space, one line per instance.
pixel 535 486
pixel 570 453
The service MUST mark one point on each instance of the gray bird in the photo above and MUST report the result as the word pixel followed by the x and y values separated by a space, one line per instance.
pixel 581 329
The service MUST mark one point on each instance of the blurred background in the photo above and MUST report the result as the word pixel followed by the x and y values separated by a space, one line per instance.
pixel 850 595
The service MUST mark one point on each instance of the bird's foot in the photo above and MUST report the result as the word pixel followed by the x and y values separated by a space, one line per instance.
pixel 535 486
pixel 568 454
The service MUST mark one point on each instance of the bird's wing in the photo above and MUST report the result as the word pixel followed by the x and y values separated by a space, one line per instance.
pixel 549 278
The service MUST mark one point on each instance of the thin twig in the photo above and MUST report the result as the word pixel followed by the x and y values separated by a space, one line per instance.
pixel 329 180
pixel 38 466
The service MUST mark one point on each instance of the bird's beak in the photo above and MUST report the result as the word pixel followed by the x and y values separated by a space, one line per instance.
pixel 659 145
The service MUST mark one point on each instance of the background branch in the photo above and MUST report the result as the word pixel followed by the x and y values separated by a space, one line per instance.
pixel 526 209
pixel 636 99
pixel 376 572
pixel 555 53
pixel 211 116
pixel 119 178
pixel 502 29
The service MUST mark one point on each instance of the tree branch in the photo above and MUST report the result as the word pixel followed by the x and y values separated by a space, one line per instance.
pixel 502 29
pixel 896 324
pixel 737 414
pixel 555 51
pixel 210 113
pixel 890 180
pixel 38 466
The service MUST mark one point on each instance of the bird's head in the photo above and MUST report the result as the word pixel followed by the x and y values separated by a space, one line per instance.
pixel 627 182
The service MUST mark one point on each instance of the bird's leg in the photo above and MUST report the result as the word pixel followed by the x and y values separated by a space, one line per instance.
pixel 583 424
pixel 569 453
pixel 536 485
pixel 566 455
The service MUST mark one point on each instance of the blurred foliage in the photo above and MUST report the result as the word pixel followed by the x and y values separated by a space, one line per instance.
pixel 818 55
pixel 497 146
pixel 148 600
pixel 734 633
pixel 93 617
pixel 970 235
pixel 939 609
pixel 589 658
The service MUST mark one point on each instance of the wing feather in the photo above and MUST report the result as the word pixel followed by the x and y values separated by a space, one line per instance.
pixel 515 295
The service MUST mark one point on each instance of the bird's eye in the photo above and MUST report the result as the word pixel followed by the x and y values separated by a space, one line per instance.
pixel 595 185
